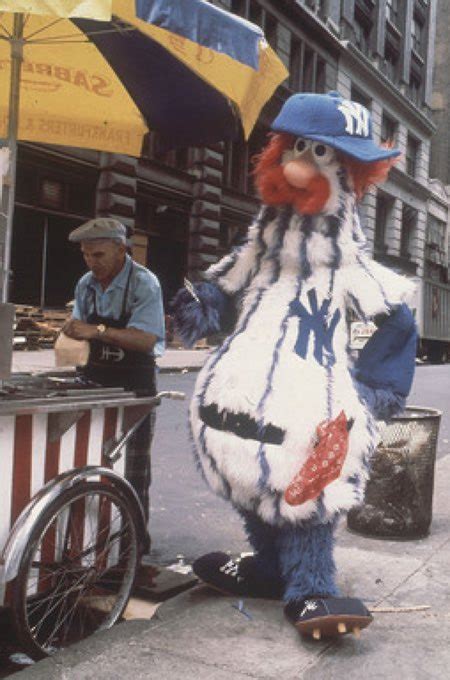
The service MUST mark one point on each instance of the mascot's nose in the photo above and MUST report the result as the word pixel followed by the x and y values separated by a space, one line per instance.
pixel 300 172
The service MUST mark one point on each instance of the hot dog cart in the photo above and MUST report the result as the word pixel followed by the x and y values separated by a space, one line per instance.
pixel 71 525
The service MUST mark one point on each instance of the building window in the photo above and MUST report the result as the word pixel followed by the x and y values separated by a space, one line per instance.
pixel 283 44
pixel 296 64
pixel 314 70
pixel 308 70
pixel 320 84
pixel 391 63
pixel 255 14
pixel 362 35
pixel 238 7
pixel 27 183
pixel 436 234
pixel 435 250
pixel 388 129
pixel 412 154
pixel 235 175
pixel 271 31
pixel 392 11
pixel 80 197
pixel 357 96
pixel 417 34
pixel 179 159
pixel 409 222
pixel 362 25
pixel 415 89
pixel 383 210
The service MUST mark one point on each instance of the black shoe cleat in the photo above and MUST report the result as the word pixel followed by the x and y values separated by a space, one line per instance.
pixel 327 616
pixel 235 576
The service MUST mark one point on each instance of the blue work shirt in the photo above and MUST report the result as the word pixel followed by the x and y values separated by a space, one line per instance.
pixel 144 301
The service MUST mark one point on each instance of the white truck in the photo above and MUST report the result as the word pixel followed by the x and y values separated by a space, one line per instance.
pixel 433 321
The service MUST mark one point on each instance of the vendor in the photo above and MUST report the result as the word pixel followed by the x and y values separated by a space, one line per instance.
pixel 119 310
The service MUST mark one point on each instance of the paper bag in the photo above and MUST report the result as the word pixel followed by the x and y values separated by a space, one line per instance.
pixel 70 352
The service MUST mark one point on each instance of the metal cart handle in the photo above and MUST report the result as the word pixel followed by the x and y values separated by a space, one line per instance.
pixel 113 454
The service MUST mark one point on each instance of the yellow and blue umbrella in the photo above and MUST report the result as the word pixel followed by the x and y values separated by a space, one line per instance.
pixel 185 68
pixel 71 76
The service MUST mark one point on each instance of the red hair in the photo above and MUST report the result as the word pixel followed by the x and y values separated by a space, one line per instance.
pixel 275 189
pixel 367 175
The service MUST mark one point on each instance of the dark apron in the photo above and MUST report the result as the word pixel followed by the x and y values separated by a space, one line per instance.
pixel 112 366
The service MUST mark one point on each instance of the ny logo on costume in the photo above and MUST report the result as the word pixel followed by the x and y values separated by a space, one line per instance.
pixel 356 118
pixel 112 353
pixel 317 323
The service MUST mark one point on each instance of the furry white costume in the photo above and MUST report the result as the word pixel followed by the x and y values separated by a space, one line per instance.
pixel 286 367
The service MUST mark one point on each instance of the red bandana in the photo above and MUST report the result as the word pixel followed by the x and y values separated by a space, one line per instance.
pixel 324 464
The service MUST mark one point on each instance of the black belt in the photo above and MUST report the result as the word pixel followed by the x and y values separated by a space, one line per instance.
pixel 240 424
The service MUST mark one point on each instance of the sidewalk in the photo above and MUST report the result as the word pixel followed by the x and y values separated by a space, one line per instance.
pixel 202 635
pixel 172 360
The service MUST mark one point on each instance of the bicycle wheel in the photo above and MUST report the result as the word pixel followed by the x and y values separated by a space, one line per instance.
pixel 77 569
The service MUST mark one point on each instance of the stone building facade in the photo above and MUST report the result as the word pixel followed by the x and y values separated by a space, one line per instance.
pixel 188 207
pixel 440 148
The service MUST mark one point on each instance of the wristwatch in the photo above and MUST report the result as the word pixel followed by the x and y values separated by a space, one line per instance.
pixel 101 329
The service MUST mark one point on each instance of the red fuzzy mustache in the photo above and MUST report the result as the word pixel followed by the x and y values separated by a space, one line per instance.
pixel 276 190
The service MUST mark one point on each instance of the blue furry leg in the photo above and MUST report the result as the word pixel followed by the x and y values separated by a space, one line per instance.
pixel 306 562
pixel 262 537
pixel 297 560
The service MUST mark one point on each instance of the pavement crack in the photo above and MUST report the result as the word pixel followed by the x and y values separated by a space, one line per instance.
pixel 413 573
pixel 183 657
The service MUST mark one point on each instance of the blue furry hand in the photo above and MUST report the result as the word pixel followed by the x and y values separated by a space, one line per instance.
pixel 198 311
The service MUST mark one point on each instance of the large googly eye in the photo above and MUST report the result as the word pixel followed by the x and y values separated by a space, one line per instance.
pixel 322 153
pixel 301 145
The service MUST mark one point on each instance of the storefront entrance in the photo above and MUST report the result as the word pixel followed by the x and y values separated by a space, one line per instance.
pixel 45 266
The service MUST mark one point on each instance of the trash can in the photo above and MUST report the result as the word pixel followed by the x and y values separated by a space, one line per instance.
pixel 399 493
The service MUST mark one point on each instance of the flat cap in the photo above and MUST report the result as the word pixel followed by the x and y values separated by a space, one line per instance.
pixel 99 227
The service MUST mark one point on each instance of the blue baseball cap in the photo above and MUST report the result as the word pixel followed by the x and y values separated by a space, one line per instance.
pixel 333 120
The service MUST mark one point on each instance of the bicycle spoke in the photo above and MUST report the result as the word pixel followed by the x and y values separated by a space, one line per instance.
pixel 63 595
pixel 60 622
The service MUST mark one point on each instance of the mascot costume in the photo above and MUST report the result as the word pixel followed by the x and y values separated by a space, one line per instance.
pixel 284 421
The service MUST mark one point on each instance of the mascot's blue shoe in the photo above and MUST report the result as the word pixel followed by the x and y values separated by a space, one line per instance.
pixel 326 616
pixel 236 577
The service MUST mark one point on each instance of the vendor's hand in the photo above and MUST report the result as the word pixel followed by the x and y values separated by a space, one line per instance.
pixel 79 330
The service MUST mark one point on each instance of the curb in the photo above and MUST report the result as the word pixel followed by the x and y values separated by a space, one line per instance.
pixel 179 369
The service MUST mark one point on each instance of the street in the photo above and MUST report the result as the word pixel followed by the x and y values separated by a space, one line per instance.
pixel 186 517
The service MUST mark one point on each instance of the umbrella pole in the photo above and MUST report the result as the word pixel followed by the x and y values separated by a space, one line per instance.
pixel 7 213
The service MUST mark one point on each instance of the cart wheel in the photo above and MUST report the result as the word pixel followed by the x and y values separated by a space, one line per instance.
pixel 77 569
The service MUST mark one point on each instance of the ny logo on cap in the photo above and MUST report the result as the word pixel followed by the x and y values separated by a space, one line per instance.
pixel 356 118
